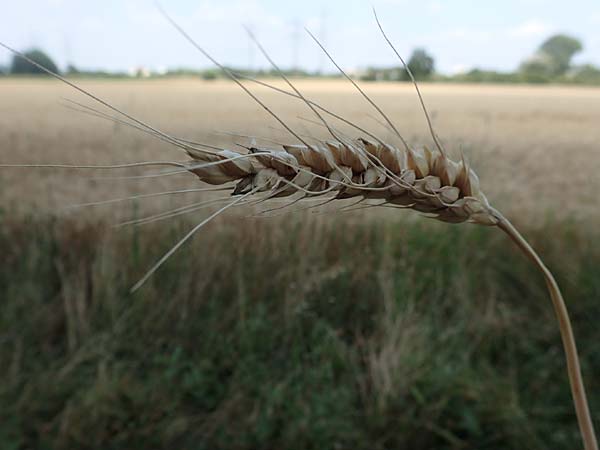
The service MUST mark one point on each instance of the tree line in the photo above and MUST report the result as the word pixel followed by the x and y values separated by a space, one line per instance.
pixel 551 63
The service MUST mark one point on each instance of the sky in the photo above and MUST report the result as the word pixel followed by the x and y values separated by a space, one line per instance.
pixel 460 34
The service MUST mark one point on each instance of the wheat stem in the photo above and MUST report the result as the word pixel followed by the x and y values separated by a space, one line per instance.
pixel 566 331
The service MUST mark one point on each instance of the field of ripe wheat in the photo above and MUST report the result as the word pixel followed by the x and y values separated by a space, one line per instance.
pixel 534 148
pixel 371 329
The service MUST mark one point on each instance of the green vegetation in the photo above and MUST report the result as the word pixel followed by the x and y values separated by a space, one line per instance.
pixel 296 333
pixel 586 74
pixel 21 67
pixel 551 63
pixel 487 76
pixel 421 64
pixel 553 57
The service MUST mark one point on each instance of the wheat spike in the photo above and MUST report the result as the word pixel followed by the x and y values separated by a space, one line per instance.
pixel 422 179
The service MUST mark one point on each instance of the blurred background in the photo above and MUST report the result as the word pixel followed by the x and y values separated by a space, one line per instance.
pixel 302 327
pixel 502 40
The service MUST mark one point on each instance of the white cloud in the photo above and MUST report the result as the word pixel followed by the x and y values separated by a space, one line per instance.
pixel 469 34
pixel 459 68
pixel 92 25
pixel 530 28
pixel 392 2
pixel 435 7
pixel 207 12
pixel 314 23
pixel 250 11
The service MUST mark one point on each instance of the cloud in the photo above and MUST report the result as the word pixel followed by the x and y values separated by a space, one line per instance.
pixel 533 28
pixel 459 68
pixel 92 24
pixel 530 28
pixel 435 7
pixel 469 34
pixel 392 2
pixel 250 11
pixel 207 15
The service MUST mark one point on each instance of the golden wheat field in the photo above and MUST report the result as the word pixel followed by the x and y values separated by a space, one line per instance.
pixel 535 148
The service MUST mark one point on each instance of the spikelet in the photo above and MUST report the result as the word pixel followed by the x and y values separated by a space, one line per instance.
pixel 421 179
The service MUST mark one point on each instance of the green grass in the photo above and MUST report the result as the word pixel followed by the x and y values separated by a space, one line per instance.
pixel 291 334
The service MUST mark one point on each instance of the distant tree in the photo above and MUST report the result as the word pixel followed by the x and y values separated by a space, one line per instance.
pixel 421 64
pixel 585 74
pixel 209 74
pixel 486 76
pixel 20 66
pixel 73 70
pixel 539 68
pixel 369 74
pixel 3 70
pixel 552 59
pixel 561 49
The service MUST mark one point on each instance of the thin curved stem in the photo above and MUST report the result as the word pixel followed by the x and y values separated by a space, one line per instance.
pixel 584 418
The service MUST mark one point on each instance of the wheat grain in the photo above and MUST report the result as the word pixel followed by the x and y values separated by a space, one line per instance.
pixel 421 179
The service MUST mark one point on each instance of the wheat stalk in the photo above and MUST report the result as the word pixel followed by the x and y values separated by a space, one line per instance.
pixel 584 418
pixel 422 179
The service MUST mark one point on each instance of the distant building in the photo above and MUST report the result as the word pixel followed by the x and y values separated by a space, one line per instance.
pixel 139 72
